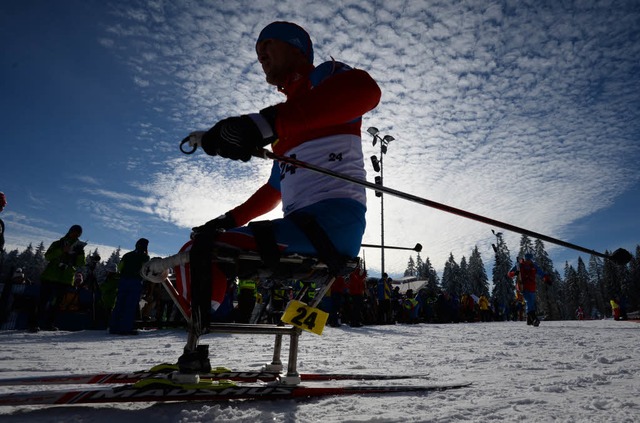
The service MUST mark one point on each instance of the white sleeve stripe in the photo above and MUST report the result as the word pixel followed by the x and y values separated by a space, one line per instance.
pixel 262 124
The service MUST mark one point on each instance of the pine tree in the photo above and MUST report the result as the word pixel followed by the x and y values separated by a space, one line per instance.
pixel 584 295
pixel 430 274
pixel 612 277
pixel 464 281
pixel 9 265
pixel 634 281
pixel 420 270
pixel 526 246
pixel 572 290
pixel 626 289
pixel 596 284
pixel 114 259
pixel 39 264
pixel 411 268
pixel 547 295
pixel 478 280
pixel 451 280
pixel 503 291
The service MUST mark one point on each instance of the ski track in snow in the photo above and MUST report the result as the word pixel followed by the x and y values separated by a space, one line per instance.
pixel 567 371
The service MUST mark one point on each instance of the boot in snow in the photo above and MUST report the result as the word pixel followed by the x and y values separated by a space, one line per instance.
pixel 195 362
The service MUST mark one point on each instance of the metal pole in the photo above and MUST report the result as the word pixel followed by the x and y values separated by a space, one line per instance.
pixel 620 256
pixel 381 210
pixel 417 248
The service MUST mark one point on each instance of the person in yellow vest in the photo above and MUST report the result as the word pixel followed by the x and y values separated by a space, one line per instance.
pixel 483 305
pixel 279 297
pixel 410 308
pixel 615 309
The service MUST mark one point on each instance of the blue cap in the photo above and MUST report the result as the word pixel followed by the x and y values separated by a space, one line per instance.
pixel 289 33
pixel 528 256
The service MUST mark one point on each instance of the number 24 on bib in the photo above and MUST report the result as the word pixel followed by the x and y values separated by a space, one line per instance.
pixel 305 317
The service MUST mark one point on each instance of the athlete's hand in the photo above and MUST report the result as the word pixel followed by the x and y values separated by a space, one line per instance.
pixel 219 224
pixel 195 139
pixel 239 137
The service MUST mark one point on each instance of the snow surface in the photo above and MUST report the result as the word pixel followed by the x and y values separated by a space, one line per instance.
pixel 568 371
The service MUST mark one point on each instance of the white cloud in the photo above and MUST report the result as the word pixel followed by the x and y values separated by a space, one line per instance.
pixel 517 112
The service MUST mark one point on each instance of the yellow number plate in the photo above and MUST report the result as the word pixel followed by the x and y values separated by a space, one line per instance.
pixel 304 317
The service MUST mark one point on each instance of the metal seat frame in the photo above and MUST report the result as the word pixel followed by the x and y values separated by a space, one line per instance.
pixel 317 270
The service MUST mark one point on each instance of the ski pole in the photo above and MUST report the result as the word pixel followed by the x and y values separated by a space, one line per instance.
pixel 619 256
pixel 417 248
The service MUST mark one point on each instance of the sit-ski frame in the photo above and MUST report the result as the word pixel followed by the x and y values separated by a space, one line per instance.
pixel 315 270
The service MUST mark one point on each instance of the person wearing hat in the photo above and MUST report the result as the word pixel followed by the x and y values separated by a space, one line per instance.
pixel 527 270
pixel 19 278
pixel 127 306
pixel 64 257
pixel 319 123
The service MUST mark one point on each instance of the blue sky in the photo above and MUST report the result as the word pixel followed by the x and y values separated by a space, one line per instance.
pixel 526 112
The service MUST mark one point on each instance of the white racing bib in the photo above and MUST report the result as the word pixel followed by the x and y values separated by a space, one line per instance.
pixel 303 187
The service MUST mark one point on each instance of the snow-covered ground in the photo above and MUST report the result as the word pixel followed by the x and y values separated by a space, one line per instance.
pixel 570 371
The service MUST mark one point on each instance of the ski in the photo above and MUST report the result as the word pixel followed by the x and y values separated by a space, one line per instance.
pixel 163 390
pixel 165 370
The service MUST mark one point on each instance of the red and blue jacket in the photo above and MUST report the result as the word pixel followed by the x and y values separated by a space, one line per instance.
pixel 319 123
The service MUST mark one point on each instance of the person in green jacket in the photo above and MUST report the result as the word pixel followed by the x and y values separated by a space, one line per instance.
pixel 64 257
pixel 109 288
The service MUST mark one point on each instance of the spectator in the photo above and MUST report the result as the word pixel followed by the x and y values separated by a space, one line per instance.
pixel 485 312
pixel 64 256
pixel 410 308
pixel 26 299
pixel 384 300
pixel 356 290
pixel 19 278
pixel 78 281
pixel 623 302
pixel 71 298
pixel 127 306
pixel 150 299
pixel 579 313
pixel 527 271
pixel 468 308
pixel 426 298
pixel 370 306
pixel 337 296
pixel 109 288
pixel 519 306
pixel 247 292
pixel 166 312
pixel 396 303
pixel 615 309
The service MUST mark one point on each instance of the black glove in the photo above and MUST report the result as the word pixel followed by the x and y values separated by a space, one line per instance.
pixel 219 224
pixel 239 137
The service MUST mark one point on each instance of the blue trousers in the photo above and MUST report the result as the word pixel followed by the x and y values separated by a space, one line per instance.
pixel 342 219
pixel 530 299
pixel 124 313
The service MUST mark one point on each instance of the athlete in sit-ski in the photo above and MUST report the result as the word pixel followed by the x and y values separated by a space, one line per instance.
pixel 319 123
